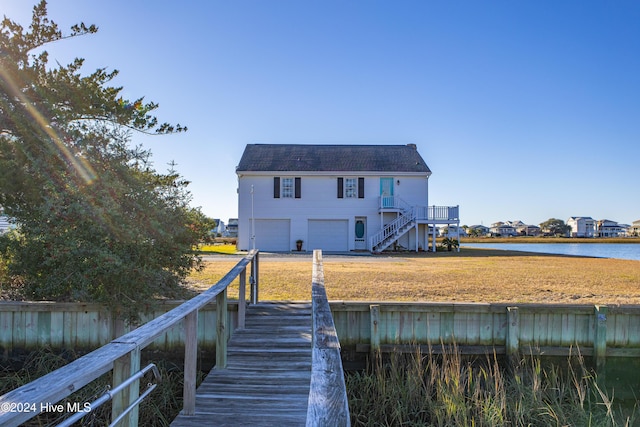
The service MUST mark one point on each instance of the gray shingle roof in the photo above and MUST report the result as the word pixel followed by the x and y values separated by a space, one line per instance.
pixel 330 158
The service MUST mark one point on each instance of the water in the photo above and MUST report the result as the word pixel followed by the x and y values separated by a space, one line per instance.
pixel 600 250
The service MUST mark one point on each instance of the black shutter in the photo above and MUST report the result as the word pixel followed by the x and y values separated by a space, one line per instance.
pixel 276 187
pixel 298 189
pixel 360 188
pixel 340 188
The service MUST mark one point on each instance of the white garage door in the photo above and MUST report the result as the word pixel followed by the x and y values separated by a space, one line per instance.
pixel 273 235
pixel 328 235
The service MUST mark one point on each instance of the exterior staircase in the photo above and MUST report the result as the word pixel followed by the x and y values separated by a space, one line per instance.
pixel 394 230
pixel 407 219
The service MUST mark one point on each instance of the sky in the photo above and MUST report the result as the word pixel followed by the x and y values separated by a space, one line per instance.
pixel 523 110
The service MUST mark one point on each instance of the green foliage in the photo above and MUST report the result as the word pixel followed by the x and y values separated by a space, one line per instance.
pixel 449 243
pixel 431 390
pixel 555 227
pixel 95 221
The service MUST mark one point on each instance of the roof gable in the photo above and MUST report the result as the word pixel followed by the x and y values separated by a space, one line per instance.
pixel 331 158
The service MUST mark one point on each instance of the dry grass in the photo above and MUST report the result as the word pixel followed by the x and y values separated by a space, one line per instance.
pixel 473 275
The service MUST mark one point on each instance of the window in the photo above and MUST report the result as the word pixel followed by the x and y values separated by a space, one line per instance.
pixel 350 188
pixel 287 187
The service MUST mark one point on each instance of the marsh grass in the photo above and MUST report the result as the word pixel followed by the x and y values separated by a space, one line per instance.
pixel 449 390
pixel 159 409
pixel 472 275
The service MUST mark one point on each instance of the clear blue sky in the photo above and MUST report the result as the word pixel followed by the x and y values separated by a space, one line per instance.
pixel 522 109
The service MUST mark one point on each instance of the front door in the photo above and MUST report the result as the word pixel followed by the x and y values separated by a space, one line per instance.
pixel 361 233
pixel 386 192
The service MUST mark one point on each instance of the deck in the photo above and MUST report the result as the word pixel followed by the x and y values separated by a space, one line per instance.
pixel 281 365
pixel 268 373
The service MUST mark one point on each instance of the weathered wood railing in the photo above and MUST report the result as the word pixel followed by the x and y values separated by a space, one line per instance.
pixel 122 355
pixel 328 403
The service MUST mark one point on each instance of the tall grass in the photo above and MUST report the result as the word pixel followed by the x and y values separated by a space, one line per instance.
pixel 447 390
pixel 159 409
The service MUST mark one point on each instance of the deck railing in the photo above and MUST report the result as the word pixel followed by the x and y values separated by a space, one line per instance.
pixel 393 202
pixel 328 402
pixel 122 355
pixel 435 213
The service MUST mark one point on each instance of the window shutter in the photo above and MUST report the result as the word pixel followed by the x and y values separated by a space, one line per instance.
pixel 340 188
pixel 276 187
pixel 360 188
pixel 298 189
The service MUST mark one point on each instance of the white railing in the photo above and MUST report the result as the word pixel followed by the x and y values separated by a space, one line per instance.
pixel 393 202
pixel 443 212
pixel 437 213
pixel 410 214
pixel 392 228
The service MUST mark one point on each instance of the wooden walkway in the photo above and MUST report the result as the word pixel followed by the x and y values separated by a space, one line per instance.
pixel 266 382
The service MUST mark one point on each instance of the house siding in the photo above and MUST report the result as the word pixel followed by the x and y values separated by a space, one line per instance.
pixel 319 201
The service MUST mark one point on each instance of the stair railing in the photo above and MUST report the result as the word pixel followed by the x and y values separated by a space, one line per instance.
pixel 391 229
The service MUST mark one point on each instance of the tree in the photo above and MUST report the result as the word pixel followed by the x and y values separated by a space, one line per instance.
pixel 95 221
pixel 450 243
pixel 555 227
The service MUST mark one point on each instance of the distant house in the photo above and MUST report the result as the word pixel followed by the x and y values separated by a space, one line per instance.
pixel 582 226
pixel 608 228
pixel 502 229
pixel 634 230
pixel 625 230
pixel 220 229
pixel 232 228
pixel 453 231
pixel 478 230
pixel 4 224
pixel 337 198
pixel 523 229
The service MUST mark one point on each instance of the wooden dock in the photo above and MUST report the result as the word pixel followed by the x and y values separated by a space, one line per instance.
pixel 266 381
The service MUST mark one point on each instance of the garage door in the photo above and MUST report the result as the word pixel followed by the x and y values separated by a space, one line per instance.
pixel 273 235
pixel 328 235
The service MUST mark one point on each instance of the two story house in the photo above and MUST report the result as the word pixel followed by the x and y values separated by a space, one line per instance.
pixel 582 226
pixel 503 229
pixel 336 198
pixel 608 228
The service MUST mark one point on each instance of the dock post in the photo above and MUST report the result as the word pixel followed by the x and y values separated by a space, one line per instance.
pixel 512 341
pixel 190 362
pixel 254 278
pixel 221 336
pixel 600 339
pixel 374 310
pixel 242 303
pixel 123 368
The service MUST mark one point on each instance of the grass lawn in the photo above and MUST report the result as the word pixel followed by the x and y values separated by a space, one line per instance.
pixel 472 275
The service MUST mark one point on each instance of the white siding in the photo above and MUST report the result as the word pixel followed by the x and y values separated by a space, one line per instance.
pixel 4 224
pixel 319 201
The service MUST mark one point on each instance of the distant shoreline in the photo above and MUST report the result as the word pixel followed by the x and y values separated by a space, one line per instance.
pixel 529 239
